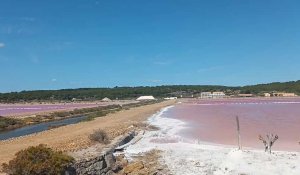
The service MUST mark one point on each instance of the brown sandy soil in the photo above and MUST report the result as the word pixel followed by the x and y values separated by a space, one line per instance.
pixel 74 137
pixel 149 163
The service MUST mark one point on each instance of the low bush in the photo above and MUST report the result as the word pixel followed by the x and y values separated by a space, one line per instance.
pixel 9 123
pixel 36 119
pixel 61 114
pixel 99 136
pixel 38 160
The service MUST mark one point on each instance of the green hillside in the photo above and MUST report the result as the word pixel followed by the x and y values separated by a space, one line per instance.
pixel 133 92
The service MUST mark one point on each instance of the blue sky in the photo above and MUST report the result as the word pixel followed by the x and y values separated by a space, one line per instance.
pixel 53 44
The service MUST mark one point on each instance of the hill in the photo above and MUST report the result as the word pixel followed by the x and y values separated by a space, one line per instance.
pixel 133 92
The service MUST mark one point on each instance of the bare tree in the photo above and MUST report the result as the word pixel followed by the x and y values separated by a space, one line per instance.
pixel 269 141
pixel 264 142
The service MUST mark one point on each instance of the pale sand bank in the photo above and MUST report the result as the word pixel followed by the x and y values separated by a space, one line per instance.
pixel 74 137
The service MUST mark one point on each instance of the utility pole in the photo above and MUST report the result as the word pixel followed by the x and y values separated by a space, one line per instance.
pixel 238 131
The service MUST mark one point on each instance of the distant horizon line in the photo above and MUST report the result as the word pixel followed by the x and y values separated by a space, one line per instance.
pixel 147 86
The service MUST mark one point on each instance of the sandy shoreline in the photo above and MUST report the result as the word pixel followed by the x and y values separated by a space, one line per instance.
pixel 74 137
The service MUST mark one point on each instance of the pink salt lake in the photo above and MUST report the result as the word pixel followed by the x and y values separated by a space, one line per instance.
pixel 214 121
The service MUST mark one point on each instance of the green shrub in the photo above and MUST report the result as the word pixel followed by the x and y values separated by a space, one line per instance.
pixel 38 160
pixel 7 123
pixel 61 114
pixel 99 136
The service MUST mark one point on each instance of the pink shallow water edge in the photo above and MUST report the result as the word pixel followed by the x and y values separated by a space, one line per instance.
pixel 6 110
pixel 214 121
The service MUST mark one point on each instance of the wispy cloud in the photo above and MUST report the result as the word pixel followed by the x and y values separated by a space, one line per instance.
pixel 155 81
pixel 2 45
pixel 18 25
pixel 53 79
pixel 19 29
pixel 162 63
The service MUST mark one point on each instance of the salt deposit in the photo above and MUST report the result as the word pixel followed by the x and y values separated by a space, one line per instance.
pixel 186 157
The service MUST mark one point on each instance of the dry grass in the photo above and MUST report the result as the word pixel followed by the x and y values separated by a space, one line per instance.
pixel 99 136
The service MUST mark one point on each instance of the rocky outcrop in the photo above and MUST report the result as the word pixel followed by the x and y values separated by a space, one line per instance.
pixel 101 164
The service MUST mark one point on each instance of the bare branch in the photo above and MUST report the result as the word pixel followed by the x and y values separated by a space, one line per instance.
pixel 269 142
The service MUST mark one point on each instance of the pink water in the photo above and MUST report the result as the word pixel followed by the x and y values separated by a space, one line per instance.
pixel 6 110
pixel 214 121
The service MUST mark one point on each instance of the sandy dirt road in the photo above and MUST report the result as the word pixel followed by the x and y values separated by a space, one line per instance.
pixel 74 137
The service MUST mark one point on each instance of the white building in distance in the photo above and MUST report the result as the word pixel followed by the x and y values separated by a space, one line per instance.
pixel 170 98
pixel 206 95
pixel 142 98
pixel 106 99
pixel 212 95
pixel 283 94
pixel 218 95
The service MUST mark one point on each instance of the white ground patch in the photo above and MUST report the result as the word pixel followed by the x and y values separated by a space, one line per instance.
pixel 184 158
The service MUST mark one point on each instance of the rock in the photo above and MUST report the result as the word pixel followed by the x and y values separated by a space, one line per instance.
pixel 109 172
pixel 122 161
pixel 117 167
pixel 120 157
pixel 158 173
pixel 144 171
pixel 110 160
pixel 133 167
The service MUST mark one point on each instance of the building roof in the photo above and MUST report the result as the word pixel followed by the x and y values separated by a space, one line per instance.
pixel 218 92
pixel 106 99
pixel 146 98
pixel 245 95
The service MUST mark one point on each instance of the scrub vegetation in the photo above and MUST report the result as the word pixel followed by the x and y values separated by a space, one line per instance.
pixel 10 123
pixel 99 136
pixel 133 92
pixel 38 160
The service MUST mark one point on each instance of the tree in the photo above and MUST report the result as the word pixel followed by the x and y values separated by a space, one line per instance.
pixel 268 142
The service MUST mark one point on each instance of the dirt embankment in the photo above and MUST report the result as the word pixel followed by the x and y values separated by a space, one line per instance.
pixel 75 137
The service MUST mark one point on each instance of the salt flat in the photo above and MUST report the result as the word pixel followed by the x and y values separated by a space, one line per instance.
pixel 184 157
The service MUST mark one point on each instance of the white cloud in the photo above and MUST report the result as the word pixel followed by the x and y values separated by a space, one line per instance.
pixel 53 79
pixel 30 19
pixel 2 45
